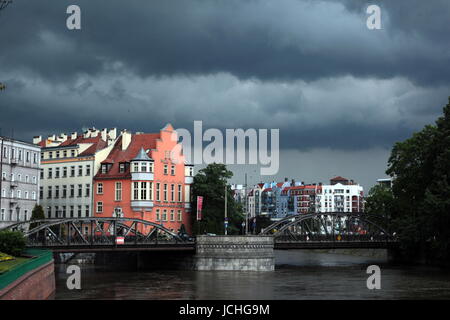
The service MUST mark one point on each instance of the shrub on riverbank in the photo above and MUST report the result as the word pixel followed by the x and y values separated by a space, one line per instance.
pixel 12 242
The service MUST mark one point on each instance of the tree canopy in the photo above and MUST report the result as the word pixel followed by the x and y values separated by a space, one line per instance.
pixel 420 167
pixel 210 183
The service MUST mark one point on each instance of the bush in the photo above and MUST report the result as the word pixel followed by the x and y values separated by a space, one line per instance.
pixel 12 242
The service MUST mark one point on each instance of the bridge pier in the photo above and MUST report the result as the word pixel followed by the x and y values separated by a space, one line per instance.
pixel 235 253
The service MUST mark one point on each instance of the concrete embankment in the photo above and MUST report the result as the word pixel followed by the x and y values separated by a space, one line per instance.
pixel 31 280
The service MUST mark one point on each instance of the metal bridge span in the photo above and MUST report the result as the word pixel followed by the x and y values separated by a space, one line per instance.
pixel 309 231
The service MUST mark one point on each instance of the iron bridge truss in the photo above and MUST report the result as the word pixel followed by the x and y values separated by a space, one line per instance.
pixel 95 232
pixel 330 229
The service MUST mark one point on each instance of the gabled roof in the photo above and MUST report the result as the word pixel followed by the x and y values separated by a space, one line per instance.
pixel 141 141
pixel 338 178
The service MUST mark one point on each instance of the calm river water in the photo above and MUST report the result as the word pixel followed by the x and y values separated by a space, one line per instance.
pixel 298 275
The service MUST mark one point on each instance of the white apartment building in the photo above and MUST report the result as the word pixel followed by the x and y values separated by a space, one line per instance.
pixel 341 196
pixel 19 183
pixel 68 165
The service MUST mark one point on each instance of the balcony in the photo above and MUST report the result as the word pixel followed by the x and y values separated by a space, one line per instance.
pixel 14 184
pixel 13 162
pixel 139 205
pixel 142 176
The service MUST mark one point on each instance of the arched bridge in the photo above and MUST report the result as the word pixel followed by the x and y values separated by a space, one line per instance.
pixel 93 234
pixel 330 230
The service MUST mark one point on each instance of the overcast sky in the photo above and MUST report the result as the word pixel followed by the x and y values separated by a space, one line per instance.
pixel 340 94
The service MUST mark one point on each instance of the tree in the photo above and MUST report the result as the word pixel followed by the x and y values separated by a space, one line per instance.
pixel 37 214
pixel 420 167
pixel 380 202
pixel 210 183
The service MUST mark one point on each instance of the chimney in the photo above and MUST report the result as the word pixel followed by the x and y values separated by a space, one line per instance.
pixel 52 137
pixel 292 183
pixel 112 133
pixel 105 134
pixel 285 179
pixel 37 139
pixel 63 137
pixel 126 139
pixel 73 136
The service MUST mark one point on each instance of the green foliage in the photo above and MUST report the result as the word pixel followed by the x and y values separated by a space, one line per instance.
pixel 12 242
pixel 420 167
pixel 37 214
pixel 210 183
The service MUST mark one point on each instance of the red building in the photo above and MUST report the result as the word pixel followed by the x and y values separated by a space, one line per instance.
pixel 145 177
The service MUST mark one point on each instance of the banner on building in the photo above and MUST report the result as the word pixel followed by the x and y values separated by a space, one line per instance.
pixel 199 207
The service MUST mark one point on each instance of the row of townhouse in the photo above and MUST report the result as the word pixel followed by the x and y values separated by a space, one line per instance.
pixel 19 183
pixel 104 173
pixel 278 200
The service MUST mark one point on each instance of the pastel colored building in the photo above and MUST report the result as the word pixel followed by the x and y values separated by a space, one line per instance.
pixel 145 177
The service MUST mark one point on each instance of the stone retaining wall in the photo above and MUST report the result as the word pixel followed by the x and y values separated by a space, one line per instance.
pixel 235 253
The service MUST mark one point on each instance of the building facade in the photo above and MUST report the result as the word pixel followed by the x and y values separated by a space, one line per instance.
pixel 68 165
pixel 19 184
pixel 145 177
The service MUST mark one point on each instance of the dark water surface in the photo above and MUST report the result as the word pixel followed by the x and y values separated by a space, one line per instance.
pixel 298 275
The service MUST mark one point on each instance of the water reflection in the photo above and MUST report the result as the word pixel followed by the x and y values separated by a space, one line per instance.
pixel 298 275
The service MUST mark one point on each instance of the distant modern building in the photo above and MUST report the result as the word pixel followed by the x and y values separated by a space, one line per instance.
pixel 342 195
pixel 385 182
pixel 19 183
pixel 68 165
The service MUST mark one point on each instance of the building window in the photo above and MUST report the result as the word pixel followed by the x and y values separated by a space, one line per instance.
pixel 122 167
pixel 64 172
pixel 72 213
pixel 99 206
pixel 99 188
pixel 150 165
pixel 42 173
pixel 180 195
pixel 56 173
pixel 72 171
pixel 158 218
pixel 164 215
pixel 172 170
pixel 143 166
pixel 72 153
pixel 56 192
pixel 72 190
pixel 150 190
pixel 64 191
pixel 165 192
pixel 143 190
pixel 135 190
pixel 57 154
pixel 34 179
pixel 41 193
pixel 157 191
pixel 80 190
pixel 80 171
pixel 136 167
pixel 49 173
pixel 64 214
pixel 118 191
pixel 88 190
pixel 165 169
pixel 179 216
pixel 88 170
pixel 65 153
pixel 33 195
pixel 79 211
pixel 49 192
pixel 172 192
pixel 172 215
pixel 87 210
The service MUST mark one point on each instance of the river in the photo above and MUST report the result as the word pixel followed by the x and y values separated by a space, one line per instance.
pixel 298 274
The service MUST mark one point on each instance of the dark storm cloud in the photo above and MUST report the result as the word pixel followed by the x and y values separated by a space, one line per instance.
pixel 310 68
pixel 269 40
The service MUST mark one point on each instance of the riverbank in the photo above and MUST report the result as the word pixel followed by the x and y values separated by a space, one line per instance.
pixel 31 279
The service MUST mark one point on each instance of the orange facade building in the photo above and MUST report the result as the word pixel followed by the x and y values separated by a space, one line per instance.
pixel 145 177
